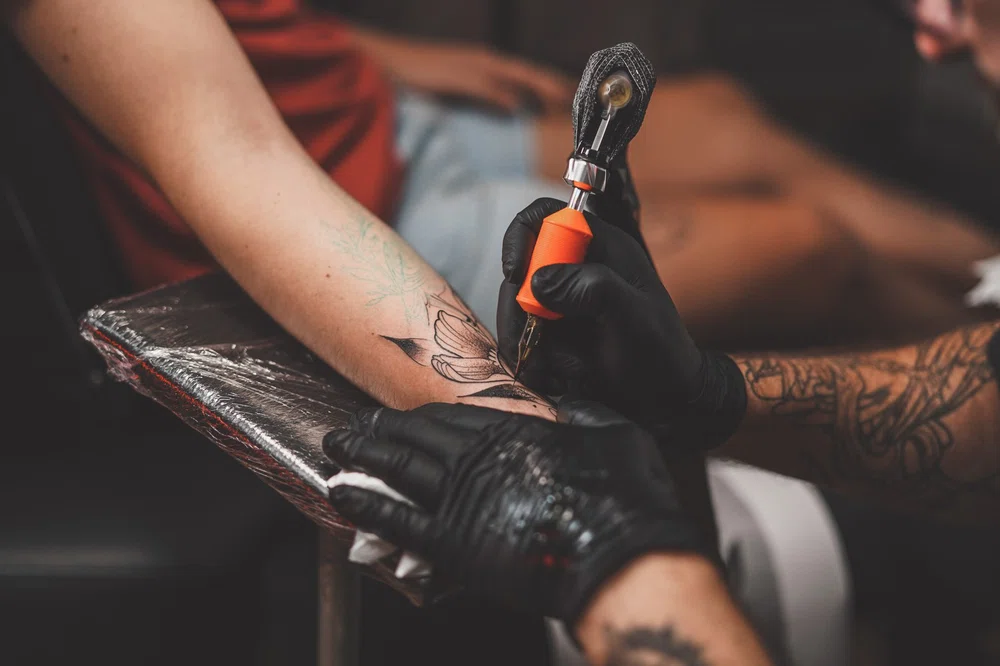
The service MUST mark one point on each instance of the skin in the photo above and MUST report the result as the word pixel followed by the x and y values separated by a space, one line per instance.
pixel 469 72
pixel 170 87
pixel 915 427
pixel 645 615
pixel 805 280
pixel 944 29
pixel 173 91
pixel 683 224
pixel 710 155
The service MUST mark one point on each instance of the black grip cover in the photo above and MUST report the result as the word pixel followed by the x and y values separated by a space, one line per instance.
pixel 587 110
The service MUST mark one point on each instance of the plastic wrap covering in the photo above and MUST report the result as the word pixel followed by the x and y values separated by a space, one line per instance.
pixel 205 351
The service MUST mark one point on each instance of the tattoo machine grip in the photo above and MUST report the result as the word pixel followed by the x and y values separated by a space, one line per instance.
pixel 608 110
pixel 562 239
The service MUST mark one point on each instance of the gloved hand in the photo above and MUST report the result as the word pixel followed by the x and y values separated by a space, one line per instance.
pixel 621 341
pixel 528 512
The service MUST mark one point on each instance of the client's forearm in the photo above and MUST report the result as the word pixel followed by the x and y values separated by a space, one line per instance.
pixel 171 88
pixel 917 426
pixel 347 286
pixel 672 610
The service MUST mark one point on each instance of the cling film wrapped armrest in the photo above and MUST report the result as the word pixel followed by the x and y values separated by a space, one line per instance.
pixel 206 352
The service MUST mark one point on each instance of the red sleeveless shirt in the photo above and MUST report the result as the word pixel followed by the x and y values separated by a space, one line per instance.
pixel 334 99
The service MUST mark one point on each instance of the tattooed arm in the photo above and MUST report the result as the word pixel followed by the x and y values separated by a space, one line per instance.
pixel 667 610
pixel 168 84
pixel 917 426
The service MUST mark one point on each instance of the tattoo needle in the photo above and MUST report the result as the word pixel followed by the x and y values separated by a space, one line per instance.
pixel 565 235
pixel 529 338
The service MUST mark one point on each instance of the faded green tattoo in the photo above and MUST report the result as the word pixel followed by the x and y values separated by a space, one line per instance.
pixel 388 268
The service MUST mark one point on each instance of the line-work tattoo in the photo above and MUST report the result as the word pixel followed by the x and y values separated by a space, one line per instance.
pixel 651 647
pixel 905 420
pixel 463 351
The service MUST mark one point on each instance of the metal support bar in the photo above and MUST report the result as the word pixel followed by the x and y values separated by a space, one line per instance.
pixel 339 605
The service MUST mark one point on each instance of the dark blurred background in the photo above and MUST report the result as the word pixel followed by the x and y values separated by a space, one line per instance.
pixel 124 537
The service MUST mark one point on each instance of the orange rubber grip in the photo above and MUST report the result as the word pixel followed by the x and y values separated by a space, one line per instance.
pixel 563 239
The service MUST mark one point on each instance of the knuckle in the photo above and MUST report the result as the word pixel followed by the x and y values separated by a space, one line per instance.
pixel 399 461
pixel 386 422
pixel 597 283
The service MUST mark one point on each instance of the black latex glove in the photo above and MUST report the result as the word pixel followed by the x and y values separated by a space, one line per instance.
pixel 618 204
pixel 621 341
pixel 528 512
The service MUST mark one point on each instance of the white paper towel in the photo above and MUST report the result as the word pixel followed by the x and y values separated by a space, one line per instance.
pixel 368 548
pixel 987 292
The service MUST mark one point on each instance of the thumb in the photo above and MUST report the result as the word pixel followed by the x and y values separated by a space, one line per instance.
pixel 580 289
pixel 588 413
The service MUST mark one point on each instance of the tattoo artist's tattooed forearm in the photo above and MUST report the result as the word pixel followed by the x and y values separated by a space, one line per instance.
pixel 908 420
pixel 651 647
pixel 462 350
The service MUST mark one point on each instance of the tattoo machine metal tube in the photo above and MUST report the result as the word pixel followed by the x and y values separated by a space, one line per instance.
pixel 608 110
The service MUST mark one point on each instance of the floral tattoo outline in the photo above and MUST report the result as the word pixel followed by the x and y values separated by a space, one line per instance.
pixel 463 351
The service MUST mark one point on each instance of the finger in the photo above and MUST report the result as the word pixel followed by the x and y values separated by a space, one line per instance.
pixel 549 86
pixel 574 290
pixel 488 90
pixel 519 241
pixel 588 413
pixel 469 417
pixel 567 365
pixel 406 527
pixel 614 246
pixel 615 206
pixel 404 469
pixel 441 440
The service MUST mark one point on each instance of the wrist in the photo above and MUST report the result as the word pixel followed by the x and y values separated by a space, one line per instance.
pixel 613 552
pixel 714 410
pixel 652 588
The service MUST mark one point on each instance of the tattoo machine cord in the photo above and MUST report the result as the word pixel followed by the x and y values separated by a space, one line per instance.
pixel 608 111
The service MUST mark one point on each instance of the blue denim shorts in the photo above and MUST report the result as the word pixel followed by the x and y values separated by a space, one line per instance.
pixel 468 172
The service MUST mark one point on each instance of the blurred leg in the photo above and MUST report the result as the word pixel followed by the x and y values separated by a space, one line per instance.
pixel 772 271
pixel 700 132
pixel 704 137
pixel 744 270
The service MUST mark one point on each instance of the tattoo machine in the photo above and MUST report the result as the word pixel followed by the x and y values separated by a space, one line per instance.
pixel 608 111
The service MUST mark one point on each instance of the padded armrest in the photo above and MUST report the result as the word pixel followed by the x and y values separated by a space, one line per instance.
pixel 205 351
